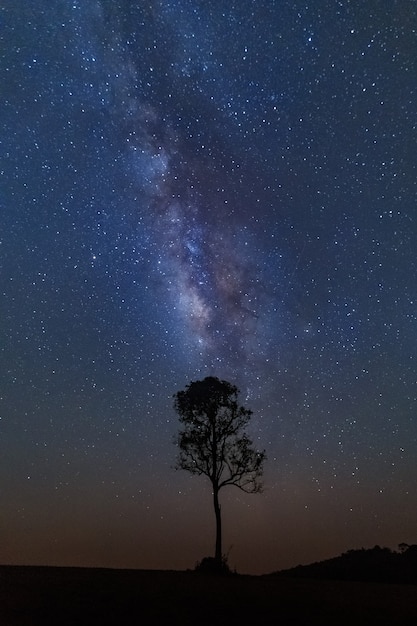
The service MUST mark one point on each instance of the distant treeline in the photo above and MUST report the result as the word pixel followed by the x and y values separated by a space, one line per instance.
pixel 373 565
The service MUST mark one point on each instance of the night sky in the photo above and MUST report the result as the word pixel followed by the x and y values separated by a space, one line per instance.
pixel 194 188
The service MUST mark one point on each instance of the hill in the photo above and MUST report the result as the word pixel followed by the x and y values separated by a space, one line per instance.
pixel 373 565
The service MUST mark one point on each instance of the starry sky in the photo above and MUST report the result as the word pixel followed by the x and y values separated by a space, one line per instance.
pixel 194 188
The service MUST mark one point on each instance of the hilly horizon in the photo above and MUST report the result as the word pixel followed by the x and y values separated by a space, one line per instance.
pixel 377 564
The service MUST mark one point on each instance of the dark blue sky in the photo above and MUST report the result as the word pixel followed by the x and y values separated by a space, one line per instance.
pixel 207 188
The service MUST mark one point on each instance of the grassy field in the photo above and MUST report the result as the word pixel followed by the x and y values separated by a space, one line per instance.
pixel 62 596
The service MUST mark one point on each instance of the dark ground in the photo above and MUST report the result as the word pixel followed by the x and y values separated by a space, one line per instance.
pixel 62 596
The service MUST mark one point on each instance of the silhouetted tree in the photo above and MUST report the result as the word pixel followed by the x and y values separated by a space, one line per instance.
pixel 213 441
pixel 403 547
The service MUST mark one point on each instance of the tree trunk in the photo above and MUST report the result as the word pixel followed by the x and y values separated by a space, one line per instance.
pixel 218 552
